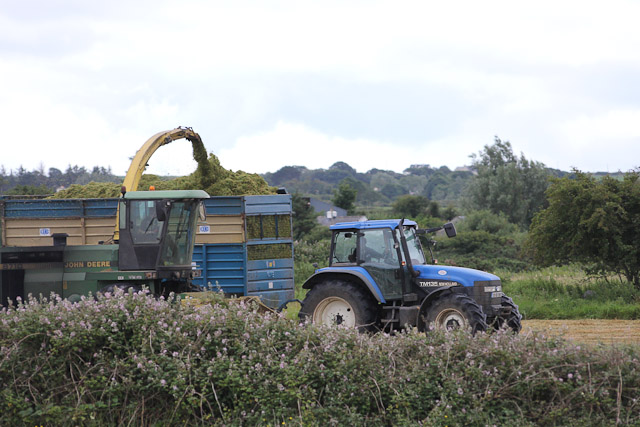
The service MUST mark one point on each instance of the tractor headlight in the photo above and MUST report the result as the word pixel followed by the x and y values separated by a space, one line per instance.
pixel 493 288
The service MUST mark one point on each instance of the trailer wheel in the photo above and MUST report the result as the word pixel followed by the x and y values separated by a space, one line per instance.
pixel 337 302
pixel 453 311
pixel 513 320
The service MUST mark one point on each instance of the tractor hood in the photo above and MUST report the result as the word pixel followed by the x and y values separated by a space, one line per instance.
pixel 430 274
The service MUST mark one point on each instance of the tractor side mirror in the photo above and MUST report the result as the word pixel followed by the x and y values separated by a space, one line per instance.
pixel 450 229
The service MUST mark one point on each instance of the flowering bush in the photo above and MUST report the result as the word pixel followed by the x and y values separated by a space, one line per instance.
pixel 131 358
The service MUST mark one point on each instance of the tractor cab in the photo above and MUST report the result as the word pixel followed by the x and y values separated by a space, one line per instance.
pixel 157 231
pixel 385 249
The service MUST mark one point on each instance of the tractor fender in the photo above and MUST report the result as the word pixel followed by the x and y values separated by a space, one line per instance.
pixel 353 274
pixel 428 300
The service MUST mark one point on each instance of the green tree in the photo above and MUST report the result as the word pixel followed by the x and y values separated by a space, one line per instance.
pixel 507 184
pixel 345 196
pixel 410 206
pixel 30 190
pixel 304 217
pixel 449 212
pixel 481 250
pixel 434 210
pixel 592 221
pixel 437 185
pixel 3 181
pixel 485 220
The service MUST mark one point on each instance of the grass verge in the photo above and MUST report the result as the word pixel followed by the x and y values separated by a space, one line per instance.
pixel 568 293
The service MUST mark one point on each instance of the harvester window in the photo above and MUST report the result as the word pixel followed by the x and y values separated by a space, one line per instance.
pixel 145 226
pixel 178 246
pixel 123 215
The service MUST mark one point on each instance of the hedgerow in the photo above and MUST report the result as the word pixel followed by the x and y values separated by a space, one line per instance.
pixel 134 359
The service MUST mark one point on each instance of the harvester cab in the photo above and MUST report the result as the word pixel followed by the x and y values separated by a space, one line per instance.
pixel 157 231
pixel 379 278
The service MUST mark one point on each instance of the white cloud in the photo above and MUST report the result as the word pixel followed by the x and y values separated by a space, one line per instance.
pixel 290 144
pixel 296 144
pixel 608 141
pixel 611 125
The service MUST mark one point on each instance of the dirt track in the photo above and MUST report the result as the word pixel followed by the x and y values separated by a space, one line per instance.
pixel 588 331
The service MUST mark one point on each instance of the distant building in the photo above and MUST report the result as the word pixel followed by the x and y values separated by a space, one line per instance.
pixel 465 169
pixel 327 209
pixel 323 220
pixel 331 214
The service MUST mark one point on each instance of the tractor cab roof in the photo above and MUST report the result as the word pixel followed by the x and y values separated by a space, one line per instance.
pixel 362 225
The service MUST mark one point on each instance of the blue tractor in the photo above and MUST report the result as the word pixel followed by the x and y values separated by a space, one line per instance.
pixel 378 278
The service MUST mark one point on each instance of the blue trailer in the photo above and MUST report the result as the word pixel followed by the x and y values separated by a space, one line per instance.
pixel 256 260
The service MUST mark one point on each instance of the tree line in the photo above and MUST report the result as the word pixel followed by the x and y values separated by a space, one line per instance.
pixel 376 187
pixel 519 215
pixel 518 212
pixel 39 182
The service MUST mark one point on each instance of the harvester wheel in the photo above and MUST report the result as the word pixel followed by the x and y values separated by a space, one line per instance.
pixel 124 286
pixel 337 302
pixel 513 320
pixel 453 311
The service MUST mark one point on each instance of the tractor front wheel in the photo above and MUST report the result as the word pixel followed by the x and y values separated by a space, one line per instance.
pixel 453 311
pixel 337 302
pixel 513 320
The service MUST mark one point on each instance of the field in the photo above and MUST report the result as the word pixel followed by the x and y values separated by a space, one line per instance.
pixel 564 301
pixel 568 293
pixel 588 331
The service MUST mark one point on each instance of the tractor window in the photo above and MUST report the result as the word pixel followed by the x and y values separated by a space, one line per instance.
pixel 377 246
pixel 344 250
pixel 413 243
pixel 145 226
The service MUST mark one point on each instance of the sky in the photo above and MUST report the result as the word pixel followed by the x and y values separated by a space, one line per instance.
pixel 267 84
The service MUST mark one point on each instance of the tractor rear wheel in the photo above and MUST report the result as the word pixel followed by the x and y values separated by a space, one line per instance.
pixel 513 320
pixel 337 302
pixel 453 311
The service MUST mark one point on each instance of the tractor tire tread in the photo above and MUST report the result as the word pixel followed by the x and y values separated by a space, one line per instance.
pixel 476 318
